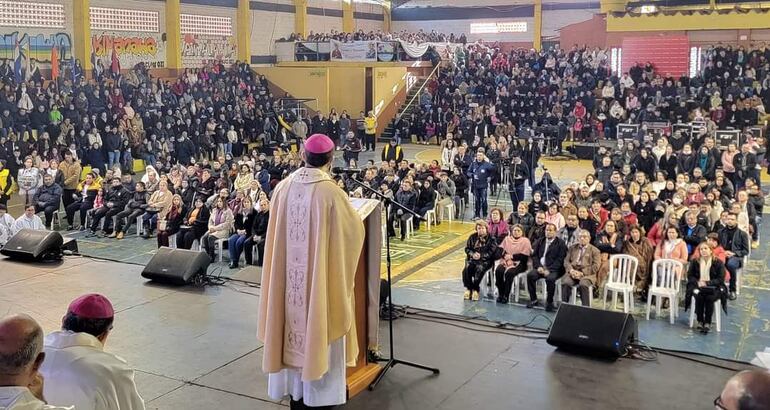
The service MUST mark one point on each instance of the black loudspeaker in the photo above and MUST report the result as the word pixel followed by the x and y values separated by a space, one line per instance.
pixel 176 266
pixel 593 332
pixel 34 245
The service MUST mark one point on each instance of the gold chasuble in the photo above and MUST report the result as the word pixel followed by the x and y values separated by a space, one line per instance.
pixel 313 243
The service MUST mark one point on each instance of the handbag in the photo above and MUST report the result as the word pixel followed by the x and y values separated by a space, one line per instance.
pixel 162 224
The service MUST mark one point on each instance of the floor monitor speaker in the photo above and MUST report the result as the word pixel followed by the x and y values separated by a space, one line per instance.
pixel 591 331
pixel 34 245
pixel 176 266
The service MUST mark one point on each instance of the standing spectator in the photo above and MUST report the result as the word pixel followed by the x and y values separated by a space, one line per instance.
pixel 480 172
pixel 29 180
pixel 71 170
pixel 370 130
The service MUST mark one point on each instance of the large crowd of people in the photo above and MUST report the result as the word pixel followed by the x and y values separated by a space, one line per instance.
pixel 71 145
pixel 419 36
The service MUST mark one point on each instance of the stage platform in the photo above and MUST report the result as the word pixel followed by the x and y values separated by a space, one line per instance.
pixel 197 349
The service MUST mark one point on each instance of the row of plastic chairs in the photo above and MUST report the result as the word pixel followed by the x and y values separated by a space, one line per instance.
pixel 666 280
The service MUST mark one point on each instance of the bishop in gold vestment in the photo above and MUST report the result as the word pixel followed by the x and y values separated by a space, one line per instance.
pixel 306 310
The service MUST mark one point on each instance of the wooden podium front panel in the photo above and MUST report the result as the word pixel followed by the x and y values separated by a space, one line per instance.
pixel 360 376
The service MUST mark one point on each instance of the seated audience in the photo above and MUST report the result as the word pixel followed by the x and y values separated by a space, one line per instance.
pixel 47 199
pixel 547 263
pixel 516 250
pixel 581 266
pixel 706 282
pixel 28 220
pixel 480 252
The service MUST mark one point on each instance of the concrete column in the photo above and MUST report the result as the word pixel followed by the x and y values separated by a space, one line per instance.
pixel 348 19
pixel 386 9
pixel 537 29
pixel 300 17
pixel 81 18
pixel 173 35
pixel 243 34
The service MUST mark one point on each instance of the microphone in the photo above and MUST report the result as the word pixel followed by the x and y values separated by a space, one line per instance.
pixel 346 171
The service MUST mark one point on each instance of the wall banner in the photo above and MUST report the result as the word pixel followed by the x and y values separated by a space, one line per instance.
pixel 355 51
pixel 199 49
pixel 131 48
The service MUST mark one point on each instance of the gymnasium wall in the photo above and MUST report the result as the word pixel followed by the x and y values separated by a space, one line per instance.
pixel 301 82
pixel 346 89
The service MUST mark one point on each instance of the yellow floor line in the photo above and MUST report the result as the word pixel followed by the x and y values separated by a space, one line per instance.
pixel 409 266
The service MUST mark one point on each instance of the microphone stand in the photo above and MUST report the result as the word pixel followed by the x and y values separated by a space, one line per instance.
pixel 392 360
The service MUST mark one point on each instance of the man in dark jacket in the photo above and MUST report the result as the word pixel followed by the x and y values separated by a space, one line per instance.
pixel 547 263
pixel 136 206
pixel 692 232
pixel 736 245
pixel 47 198
pixel 519 175
pixel 112 144
pixel 185 149
pixel 406 197
pixel 479 173
pixel 115 199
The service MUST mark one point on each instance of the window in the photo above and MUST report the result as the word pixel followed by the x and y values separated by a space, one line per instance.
pixel 616 59
pixel 103 18
pixel 210 25
pixel 499 27
pixel 24 14
pixel 695 61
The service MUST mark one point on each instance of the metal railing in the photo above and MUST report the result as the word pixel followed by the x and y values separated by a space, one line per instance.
pixel 419 90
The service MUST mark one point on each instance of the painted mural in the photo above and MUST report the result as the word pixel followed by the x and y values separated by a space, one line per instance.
pixel 36 46
pixel 200 49
pixel 131 48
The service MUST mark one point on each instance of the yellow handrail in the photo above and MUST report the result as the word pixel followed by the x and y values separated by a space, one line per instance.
pixel 419 91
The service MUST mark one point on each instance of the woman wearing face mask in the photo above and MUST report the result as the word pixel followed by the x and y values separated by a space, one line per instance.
pixel 672 247
pixel 516 250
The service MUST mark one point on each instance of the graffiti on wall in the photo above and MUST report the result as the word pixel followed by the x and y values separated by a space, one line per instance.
pixel 203 49
pixel 35 46
pixel 131 48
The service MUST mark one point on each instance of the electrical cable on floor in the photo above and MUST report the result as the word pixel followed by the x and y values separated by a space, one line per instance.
pixel 682 354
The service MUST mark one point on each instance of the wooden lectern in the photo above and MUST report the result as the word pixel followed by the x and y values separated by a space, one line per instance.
pixel 367 294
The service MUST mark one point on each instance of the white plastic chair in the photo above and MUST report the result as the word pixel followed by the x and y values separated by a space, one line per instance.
pixel 487 287
pixel 540 287
pixel 621 281
pixel 430 215
pixel 666 283
pixel 717 313
pixel 449 212
pixel 739 274
pixel 573 295
pixel 409 227
pixel 139 224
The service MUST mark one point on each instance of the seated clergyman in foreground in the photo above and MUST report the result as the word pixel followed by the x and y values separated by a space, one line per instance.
pixel 77 369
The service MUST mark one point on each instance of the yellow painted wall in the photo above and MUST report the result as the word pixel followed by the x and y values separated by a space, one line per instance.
pixel 713 21
pixel 347 89
pixel 387 82
pixel 301 83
